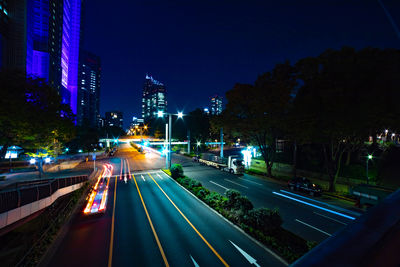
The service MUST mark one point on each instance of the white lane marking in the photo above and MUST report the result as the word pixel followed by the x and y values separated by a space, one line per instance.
pixel 251 181
pixel 330 218
pixel 219 185
pixel 160 176
pixel 143 178
pixel 246 255
pixel 235 183
pixel 194 262
pixel 313 227
pixel 315 206
pixel 323 203
pixel 138 173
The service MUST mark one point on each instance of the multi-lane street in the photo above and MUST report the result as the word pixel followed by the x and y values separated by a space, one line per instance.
pixel 312 218
pixel 151 221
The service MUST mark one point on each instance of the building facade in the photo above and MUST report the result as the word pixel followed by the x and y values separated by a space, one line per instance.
pixel 114 118
pixel 216 105
pixel 41 37
pixel 89 75
pixel 154 98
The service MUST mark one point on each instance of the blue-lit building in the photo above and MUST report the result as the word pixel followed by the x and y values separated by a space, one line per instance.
pixel 154 98
pixel 52 45
pixel 42 37
pixel 89 89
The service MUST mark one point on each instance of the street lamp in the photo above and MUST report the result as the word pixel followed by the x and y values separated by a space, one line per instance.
pixel 198 144
pixel 161 114
pixel 368 158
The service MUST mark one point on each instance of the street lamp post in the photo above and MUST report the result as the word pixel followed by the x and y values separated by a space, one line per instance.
pixel 368 158
pixel 180 116
pixel 198 144
pixel 169 140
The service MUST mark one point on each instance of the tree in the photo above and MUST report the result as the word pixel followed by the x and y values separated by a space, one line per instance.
pixel 346 96
pixel 256 113
pixel 199 125
pixel 87 138
pixel 32 114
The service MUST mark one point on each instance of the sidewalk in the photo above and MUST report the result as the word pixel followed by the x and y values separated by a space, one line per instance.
pixel 75 169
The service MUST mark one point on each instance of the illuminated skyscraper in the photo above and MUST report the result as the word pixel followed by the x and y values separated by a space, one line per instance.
pixel 154 98
pixel 216 105
pixel 89 89
pixel 41 37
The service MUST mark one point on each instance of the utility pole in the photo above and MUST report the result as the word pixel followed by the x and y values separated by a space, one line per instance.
pixel 188 150
pixel 169 137
pixel 222 144
pixel 166 144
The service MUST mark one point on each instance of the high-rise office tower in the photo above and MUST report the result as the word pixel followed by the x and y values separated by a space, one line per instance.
pixel 154 98
pixel 114 118
pixel 216 105
pixel 89 89
pixel 41 37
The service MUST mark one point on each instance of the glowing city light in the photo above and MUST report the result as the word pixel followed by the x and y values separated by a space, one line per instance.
pixel 32 161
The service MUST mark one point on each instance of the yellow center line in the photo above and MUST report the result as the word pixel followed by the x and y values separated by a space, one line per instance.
pixel 194 228
pixel 110 252
pixel 151 224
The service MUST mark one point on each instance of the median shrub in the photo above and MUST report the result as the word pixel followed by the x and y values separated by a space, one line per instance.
pixel 232 195
pixel 238 202
pixel 201 192
pixel 265 220
pixel 216 200
pixel 176 171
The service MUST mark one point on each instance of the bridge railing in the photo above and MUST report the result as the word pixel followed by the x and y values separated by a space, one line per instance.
pixel 25 193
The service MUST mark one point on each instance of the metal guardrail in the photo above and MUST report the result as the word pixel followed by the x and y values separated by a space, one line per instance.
pixel 28 192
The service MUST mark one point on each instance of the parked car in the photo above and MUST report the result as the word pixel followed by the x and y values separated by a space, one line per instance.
pixel 304 185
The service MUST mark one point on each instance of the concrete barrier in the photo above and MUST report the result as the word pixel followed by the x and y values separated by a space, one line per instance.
pixel 12 216
pixel 62 166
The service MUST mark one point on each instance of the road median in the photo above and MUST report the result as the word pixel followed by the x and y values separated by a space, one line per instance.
pixel 261 225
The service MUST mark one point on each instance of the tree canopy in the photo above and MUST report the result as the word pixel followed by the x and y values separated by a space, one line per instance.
pixel 335 100
pixel 32 114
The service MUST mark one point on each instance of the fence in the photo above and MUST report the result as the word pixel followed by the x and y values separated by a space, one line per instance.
pixel 24 193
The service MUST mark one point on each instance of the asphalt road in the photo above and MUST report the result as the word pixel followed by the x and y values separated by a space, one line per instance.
pixel 151 221
pixel 313 218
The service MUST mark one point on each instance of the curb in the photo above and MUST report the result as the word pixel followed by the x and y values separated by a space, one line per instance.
pixel 340 197
pixel 232 224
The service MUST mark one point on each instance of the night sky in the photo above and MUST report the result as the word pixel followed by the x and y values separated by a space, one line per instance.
pixel 202 48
